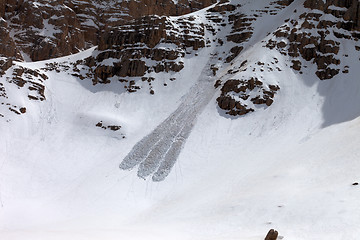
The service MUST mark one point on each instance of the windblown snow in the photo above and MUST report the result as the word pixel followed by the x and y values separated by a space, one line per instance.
pixel 187 170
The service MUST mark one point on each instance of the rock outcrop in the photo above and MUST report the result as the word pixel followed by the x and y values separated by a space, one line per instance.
pixel 272 235
pixel 5 64
pixel 43 29
pixel 2 8
pixel 315 38
pixel 28 81
pixel 237 95
pixel 7 45
pixel 47 29
pixel 347 10
pixel 149 44
pixel 32 80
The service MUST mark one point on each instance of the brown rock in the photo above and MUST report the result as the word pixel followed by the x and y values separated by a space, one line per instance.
pixel 114 128
pixel 217 83
pixel 5 64
pixel 38 20
pixel 130 43
pixel 235 52
pixel 239 37
pixel 7 45
pixel 296 65
pixel 314 4
pixel 285 2
pixel 222 8
pixel 77 24
pixel 2 8
pixel 272 235
pixel 327 73
pixel 240 89
pixel 135 68
pixel 269 101
pixel 23 110
pixel 231 85
pixel 350 16
pixel 258 100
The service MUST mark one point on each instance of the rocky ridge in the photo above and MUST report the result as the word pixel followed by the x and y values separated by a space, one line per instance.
pixel 44 29
pixel 132 52
pixel 150 44
pixel 312 37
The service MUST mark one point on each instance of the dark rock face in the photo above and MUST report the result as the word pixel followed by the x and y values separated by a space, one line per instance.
pixel 285 2
pixel 32 80
pixel 241 24
pixel 138 9
pixel 2 8
pixel 240 33
pixel 7 45
pixel 98 17
pixel 130 45
pixel 244 90
pixel 46 29
pixel 272 235
pixel 347 10
pixel 148 30
pixel 318 47
pixel 5 64
pixel 43 29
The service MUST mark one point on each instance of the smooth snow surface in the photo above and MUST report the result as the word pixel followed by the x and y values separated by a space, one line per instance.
pixel 289 166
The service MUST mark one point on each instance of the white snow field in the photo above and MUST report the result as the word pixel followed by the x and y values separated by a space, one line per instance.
pixel 290 166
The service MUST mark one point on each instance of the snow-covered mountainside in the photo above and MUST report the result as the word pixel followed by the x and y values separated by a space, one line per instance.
pixel 221 123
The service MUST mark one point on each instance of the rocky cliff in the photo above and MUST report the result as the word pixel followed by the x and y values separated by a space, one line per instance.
pixel 39 30
pixel 149 44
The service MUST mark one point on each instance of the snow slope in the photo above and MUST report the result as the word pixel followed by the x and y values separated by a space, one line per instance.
pixel 289 166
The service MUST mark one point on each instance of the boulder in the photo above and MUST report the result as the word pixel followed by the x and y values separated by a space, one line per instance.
pixel 272 235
